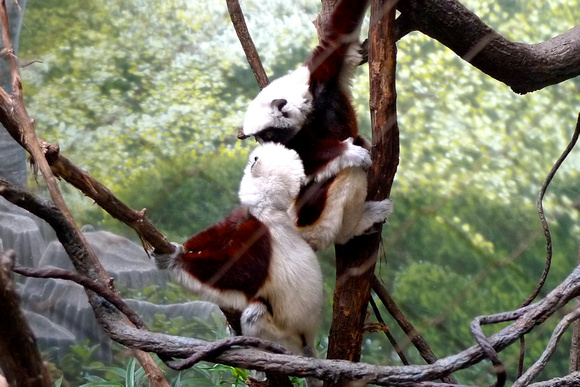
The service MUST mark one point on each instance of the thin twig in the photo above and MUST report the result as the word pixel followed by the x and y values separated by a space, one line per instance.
pixel 388 333
pixel 241 28
pixel 413 335
pixel 547 234
pixel 522 356
pixel 540 206
pixel 87 283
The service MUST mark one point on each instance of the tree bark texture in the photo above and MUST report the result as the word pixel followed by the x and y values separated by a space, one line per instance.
pixel 523 67
pixel 20 359
pixel 355 261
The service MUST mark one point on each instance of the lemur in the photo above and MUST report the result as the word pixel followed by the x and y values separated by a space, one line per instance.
pixel 310 111
pixel 255 260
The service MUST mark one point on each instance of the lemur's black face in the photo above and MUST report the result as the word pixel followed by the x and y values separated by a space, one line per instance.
pixel 277 135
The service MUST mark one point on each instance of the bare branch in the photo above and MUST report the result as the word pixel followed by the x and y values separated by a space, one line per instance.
pixel 523 67
pixel 241 28
pixel 485 345
pixel 87 283
pixel 220 346
pixel 540 206
pixel 413 335
pixel 10 54
pixel 571 380
pixel 575 344
pixel 83 181
pixel 538 366
pixel 387 331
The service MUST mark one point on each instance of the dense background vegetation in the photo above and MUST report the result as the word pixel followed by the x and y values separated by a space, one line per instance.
pixel 148 95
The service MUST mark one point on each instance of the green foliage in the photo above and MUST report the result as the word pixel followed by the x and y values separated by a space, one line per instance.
pixel 80 369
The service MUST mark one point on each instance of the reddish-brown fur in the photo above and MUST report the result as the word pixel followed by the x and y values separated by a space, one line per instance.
pixel 326 61
pixel 232 254
pixel 311 202
pixel 333 119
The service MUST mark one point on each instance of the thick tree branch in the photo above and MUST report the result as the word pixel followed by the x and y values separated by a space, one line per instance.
pixel 539 365
pixel 220 346
pixel 523 67
pixel 91 187
pixel 571 380
pixel 334 370
pixel 18 349
pixel 575 342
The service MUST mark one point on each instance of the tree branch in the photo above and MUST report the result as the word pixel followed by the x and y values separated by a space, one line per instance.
pixel 62 167
pixel 540 207
pixel 413 335
pixel 334 370
pixel 241 28
pixel 523 67
pixel 18 350
pixel 220 346
pixel 355 261
pixel 539 365
pixel 388 333
pixel 87 283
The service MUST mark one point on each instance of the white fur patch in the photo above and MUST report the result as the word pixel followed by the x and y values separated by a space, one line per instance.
pixel 373 212
pixel 164 261
pixel 272 178
pixel 225 298
pixel 353 156
pixel 295 287
pixel 352 60
pixel 293 88
pixel 342 212
pixel 271 182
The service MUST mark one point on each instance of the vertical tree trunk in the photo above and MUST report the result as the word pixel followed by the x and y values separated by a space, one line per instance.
pixel 20 359
pixel 355 261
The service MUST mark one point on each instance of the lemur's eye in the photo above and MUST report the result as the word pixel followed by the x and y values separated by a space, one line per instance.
pixel 254 163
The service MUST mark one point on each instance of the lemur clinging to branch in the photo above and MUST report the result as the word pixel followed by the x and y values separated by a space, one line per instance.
pixel 255 261
pixel 310 110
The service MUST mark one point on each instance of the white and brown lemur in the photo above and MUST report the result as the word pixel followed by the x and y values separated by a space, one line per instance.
pixel 255 260
pixel 310 110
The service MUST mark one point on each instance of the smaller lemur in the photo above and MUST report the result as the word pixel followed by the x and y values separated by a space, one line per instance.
pixel 255 260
